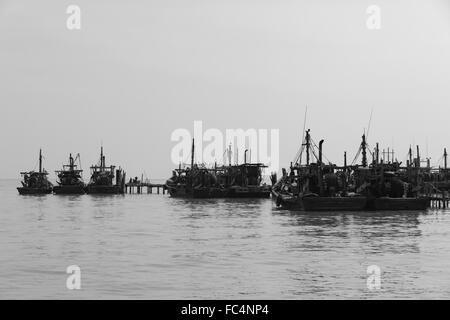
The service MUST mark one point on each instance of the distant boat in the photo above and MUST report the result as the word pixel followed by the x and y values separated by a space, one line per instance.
pixel 35 182
pixel 315 186
pixel 106 180
pixel 232 181
pixel 70 180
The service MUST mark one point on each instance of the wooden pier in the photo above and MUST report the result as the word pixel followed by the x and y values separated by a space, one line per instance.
pixel 440 200
pixel 139 187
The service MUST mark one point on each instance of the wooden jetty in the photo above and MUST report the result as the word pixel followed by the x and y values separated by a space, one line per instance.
pixel 139 187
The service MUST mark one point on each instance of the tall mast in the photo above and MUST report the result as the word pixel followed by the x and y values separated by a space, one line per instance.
pixel 445 158
pixel 410 156
pixel 364 153
pixel 71 162
pixel 102 164
pixel 192 154
pixel 308 144
pixel 377 153
pixel 418 157
pixel 320 168
pixel 345 160
pixel 40 160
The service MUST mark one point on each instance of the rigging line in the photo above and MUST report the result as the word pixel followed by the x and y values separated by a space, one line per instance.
pixel 323 154
pixel 370 122
pixel 298 158
pixel 303 132
pixel 357 156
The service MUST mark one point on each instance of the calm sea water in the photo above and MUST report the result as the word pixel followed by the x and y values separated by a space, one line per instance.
pixel 157 247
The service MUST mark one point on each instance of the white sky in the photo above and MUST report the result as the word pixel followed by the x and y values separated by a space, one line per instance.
pixel 137 70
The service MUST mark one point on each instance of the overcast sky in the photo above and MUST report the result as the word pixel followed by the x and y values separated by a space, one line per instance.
pixel 138 70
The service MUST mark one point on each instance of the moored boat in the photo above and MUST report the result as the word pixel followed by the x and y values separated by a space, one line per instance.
pixel 70 179
pixel 35 182
pixel 105 179
pixel 232 181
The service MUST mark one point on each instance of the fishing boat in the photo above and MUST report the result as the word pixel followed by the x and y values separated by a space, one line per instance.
pixel 244 180
pixel 316 186
pixel 232 181
pixel 106 179
pixel 194 182
pixel 70 179
pixel 390 187
pixel 35 182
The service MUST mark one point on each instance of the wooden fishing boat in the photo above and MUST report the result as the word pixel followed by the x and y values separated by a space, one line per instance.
pixel 35 182
pixel 232 181
pixel 105 179
pixel 70 179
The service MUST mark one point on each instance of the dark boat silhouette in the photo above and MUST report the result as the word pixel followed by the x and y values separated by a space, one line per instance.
pixel 105 179
pixel 70 179
pixel 315 186
pixel 232 181
pixel 35 182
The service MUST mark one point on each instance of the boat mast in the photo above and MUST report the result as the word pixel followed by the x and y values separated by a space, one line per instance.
pixel 377 153
pixel 445 158
pixel 192 154
pixel 410 156
pixel 364 153
pixel 71 162
pixel 308 144
pixel 320 168
pixel 418 157
pixel 40 160
pixel 345 172
pixel 102 159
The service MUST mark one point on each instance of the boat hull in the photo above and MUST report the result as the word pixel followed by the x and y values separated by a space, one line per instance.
pixel 288 202
pixel 397 204
pixel 210 193
pixel 95 189
pixel 69 190
pixel 334 203
pixel 248 192
pixel 26 190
